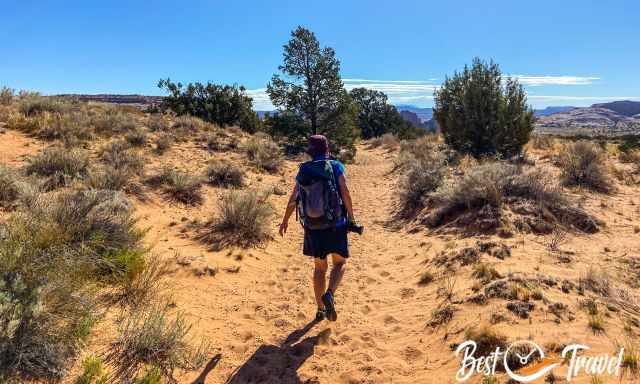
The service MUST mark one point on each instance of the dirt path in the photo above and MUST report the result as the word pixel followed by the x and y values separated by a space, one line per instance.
pixel 252 316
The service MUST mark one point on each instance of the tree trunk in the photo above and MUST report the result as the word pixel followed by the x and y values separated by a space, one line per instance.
pixel 314 123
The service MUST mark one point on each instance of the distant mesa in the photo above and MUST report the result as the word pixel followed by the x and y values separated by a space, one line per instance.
pixel 624 107
pixel 117 99
pixel 551 110
pixel 607 119
pixel 411 117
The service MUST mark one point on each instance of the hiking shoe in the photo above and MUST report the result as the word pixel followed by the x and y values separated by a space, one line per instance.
pixel 320 315
pixel 330 306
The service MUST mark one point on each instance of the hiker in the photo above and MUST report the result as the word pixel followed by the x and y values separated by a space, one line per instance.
pixel 323 204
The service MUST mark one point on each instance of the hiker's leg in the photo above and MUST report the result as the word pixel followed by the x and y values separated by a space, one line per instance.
pixel 319 279
pixel 337 271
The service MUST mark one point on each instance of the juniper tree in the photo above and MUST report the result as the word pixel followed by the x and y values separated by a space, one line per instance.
pixel 311 85
pixel 377 117
pixel 480 114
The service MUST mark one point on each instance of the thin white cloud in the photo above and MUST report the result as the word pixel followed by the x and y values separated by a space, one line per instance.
pixel 538 81
pixel 420 92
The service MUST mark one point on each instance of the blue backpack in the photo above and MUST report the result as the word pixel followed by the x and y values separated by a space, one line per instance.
pixel 319 204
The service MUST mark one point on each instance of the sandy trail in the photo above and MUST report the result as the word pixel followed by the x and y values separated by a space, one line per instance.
pixel 256 317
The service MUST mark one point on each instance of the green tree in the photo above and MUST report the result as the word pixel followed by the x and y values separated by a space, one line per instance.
pixel 220 104
pixel 311 86
pixel 481 115
pixel 377 117
pixel 341 128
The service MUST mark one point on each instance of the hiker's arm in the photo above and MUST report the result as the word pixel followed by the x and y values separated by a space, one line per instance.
pixel 291 206
pixel 346 197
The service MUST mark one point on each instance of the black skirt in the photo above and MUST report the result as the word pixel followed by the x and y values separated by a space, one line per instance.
pixel 321 242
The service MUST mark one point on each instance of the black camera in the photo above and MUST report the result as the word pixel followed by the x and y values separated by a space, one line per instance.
pixel 353 227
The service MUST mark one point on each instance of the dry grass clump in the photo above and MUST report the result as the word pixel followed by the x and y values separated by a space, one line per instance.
pixel 485 273
pixel 150 337
pixel 584 164
pixel 180 186
pixel 222 173
pixel 137 137
pixel 597 281
pixel 60 165
pixel 263 152
pixel 389 141
pixel 538 141
pixel 244 219
pixel 163 143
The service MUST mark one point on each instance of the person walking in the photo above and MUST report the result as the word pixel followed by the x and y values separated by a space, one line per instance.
pixel 322 202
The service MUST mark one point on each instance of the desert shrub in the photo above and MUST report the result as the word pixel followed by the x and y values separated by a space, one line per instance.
pixel 113 121
pixel 584 164
pixel 629 143
pixel 487 340
pixel 539 141
pixel 110 178
pixel 158 123
pixel 189 124
pixel 243 220
pixel 71 128
pixel 441 316
pixel 180 186
pixel 480 114
pixel 93 372
pixel 6 95
pixel 150 337
pixel 45 309
pixel 224 105
pixel 422 175
pixel 482 185
pixel 36 104
pixel 59 164
pixel 9 186
pixel 141 281
pixel 101 221
pixel 223 173
pixel 485 273
pixel 137 137
pixel 263 152
pixel 119 155
pixel 491 184
pixel 163 143
pixel 389 141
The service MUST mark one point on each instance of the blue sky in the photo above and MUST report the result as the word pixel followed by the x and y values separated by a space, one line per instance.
pixel 564 52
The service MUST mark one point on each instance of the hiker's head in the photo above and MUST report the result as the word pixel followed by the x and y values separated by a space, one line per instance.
pixel 318 146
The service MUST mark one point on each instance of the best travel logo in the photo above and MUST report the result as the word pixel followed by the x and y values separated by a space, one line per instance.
pixel 524 352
